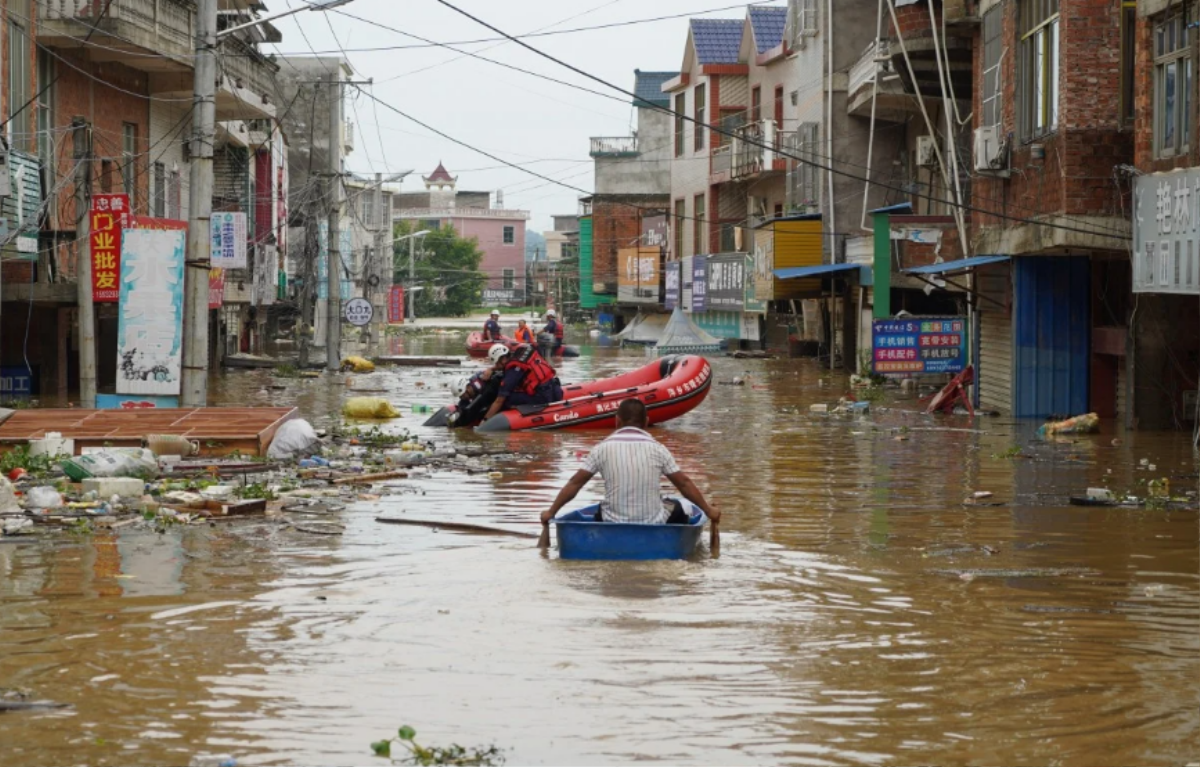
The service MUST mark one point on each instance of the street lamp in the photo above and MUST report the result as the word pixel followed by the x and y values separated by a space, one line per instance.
pixel 194 385
pixel 412 274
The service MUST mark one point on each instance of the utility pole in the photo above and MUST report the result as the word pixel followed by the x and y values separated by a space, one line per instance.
pixel 381 242
pixel 194 390
pixel 87 309
pixel 333 307
pixel 311 247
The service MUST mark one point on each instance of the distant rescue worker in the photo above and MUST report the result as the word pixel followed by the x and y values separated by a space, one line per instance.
pixel 524 334
pixel 491 328
pixel 553 328
pixel 528 378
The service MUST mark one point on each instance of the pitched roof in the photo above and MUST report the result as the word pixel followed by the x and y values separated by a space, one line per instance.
pixel 647 87
pixel 767 24
pixel 717 41
pixel 440 174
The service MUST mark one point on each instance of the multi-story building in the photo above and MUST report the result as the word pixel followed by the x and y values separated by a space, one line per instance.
pixel 498 231
pixel 119 81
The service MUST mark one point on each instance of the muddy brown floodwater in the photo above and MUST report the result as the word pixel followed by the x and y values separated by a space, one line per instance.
pixel 859 612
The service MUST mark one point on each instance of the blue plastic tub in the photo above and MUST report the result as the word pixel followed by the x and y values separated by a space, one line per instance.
pixel 580 536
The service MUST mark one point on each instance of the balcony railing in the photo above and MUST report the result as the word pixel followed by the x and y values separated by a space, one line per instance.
pixel 614 146
pixel 874 62
pixel 754 148
pixel 162 26
pixel 721 160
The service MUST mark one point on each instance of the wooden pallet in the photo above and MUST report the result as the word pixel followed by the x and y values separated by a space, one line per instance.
pixel 219 430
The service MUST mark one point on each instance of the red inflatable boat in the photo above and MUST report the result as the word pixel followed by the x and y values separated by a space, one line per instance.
pixel 477 347
pixel 670 387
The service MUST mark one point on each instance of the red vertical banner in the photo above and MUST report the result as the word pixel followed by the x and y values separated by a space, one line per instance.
pixel 216 288
pixel 109 216
pixel 396 305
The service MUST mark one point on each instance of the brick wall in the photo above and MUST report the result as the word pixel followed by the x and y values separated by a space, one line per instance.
pixel 1143 97
pixel 919 253
pixel 616 224
pixel 1075 176
pixel 914 20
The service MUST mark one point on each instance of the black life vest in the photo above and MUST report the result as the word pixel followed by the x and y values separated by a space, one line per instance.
pixel 537 370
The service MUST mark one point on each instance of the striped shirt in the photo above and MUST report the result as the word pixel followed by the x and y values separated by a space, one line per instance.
pixel 631 463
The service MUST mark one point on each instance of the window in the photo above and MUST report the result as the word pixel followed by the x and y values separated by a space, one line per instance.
pixel 680 111
pixel 728 238
pixel 509 279
pixel 755 104
pixel 1172 85
pixel 509 235
pixel 804 188
pixel 698 114
pixel 801 22
pixel 106 176
pixel 1128 58
pixel 1039 67
pixel 680 215
pixel 993 47
pixel 731 120
pixel 19 60
pixel 778 107
pixel 128 161
pixel 699 230
pixel 174 192
pixel 160 191
pixel 45 114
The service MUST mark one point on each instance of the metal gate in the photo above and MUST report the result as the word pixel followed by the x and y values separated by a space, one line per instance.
pixel 1052 335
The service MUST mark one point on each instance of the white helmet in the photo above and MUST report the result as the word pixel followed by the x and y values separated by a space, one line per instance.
pixel 551 313
pixel 495 313
pixel 460 384
pixel 497 352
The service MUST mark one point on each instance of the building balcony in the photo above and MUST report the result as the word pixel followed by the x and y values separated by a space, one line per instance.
pixel 873 78
pixel 756 150
pixel 158 37
pixel 922 49
pixel 614 146
pixel 720 164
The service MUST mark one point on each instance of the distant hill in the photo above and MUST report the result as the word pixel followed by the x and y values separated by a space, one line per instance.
pixel 535 243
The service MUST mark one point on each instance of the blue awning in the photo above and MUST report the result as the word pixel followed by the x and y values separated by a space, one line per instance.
pixel 820 270
pixel 956 266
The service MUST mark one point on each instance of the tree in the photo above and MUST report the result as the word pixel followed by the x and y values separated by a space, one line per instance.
pixel 447 270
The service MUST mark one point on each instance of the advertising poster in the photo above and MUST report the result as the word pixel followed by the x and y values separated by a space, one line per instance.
pixel 725 281
pixel 216 288
pixel 920 345
pixel 396 304
pixel 637 278
pixel 752 303
pixel 150 320
pixel 229 240
pixel 109 217
pixel 699 285
pixel 672 285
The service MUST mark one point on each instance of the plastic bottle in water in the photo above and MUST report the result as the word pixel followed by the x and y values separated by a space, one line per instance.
pixel 214 760
pixel 421 408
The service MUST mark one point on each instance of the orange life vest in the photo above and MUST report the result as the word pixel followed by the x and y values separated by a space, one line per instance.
pixel 524 336
pixel 537 370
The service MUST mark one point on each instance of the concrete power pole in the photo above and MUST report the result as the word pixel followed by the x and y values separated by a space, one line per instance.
pixel 87 310
pixel 194 391
pixel 333 307
pixel 412 279
pixel 380 299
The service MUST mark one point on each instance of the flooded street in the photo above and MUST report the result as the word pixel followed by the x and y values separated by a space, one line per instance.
pixel 859 612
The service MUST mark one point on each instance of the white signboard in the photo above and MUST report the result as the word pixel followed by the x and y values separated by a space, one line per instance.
pixel 1166 233
pixel 229 240
pixel 150 325
pixel 358 312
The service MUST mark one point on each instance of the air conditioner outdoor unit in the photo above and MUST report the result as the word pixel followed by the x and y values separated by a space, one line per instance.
pixel 926 151
pixel 991 149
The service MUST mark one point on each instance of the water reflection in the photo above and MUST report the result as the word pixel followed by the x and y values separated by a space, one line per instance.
pixel 860 611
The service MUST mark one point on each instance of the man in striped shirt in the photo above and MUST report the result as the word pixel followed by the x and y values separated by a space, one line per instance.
pixel 631 463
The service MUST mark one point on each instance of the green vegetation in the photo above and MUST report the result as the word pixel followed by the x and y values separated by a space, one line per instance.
pixel 286 371
pixel 19 458
pixel 453 754
pixel 1013 451
pixel 256 491
pixel 373 437
pixel 447 268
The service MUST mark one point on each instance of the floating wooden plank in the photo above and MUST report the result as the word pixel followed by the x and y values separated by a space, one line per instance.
pixel 219 430
pixel 414 361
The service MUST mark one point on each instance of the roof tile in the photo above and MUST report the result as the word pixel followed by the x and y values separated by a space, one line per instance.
pixel 768 24
pixel 717 41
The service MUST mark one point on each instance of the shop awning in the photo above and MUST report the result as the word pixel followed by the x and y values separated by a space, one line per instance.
pixel 956 266
pixel 820 270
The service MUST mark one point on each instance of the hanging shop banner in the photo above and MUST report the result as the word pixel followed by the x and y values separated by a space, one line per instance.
pixel 20 205
pixel 671 275
pixel 109 217
pixel 266 269
pixel 918 346
pixel 16 382
pixel 655 231
pixel 150 321
pixel 229 240
pixel 725 281
pixel 637 280
pixel 216 288
pixel 751 301
pixel 764 264
pixel 1166 232
pixel 699 286
pixel 503 296
pixel 396 304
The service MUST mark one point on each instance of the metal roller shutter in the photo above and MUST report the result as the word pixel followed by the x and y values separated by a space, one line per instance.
pixel 995 361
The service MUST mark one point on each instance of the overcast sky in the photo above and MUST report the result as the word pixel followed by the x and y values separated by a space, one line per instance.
pixel 540 125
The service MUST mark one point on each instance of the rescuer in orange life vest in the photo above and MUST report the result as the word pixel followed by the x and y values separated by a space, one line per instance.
pixel 528 379
pixel 524 335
